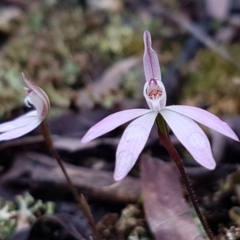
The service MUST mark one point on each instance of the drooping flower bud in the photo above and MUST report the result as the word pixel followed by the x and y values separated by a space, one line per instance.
pixel 26 123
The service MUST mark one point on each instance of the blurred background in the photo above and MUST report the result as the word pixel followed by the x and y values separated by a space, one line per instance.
pixel 87 56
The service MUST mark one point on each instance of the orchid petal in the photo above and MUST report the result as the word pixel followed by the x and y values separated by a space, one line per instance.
pixel 19 127
pixel 150 59
pixel 111 122
pixel 18 122
pixel 131 144
pixel 191 136
pixel 205 118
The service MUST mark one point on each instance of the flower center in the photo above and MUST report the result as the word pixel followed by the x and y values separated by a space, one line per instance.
pixel 153 90
pixel 155 94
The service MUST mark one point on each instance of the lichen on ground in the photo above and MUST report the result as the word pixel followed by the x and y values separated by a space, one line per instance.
pixel 21 213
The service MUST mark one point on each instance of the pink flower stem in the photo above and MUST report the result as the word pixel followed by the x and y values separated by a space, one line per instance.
pixel 166 142
pixel 81 200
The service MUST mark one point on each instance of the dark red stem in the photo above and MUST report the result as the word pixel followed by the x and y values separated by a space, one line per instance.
pixel 82 203
pixel 166 142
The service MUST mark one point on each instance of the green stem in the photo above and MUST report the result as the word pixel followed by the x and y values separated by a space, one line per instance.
pixel 82 203
pixel 166 142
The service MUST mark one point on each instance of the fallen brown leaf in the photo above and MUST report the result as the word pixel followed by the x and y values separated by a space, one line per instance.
pixel 110 80
pixel 167 212
pixel 38 171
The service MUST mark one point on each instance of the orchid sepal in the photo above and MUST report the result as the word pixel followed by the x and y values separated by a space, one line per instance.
pixel 111 122
pixel 150 59
pixel 205 118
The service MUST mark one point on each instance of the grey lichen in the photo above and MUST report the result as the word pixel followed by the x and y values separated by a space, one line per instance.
pixel 20 214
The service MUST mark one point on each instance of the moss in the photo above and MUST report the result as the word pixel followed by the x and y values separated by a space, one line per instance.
pixel 213 81
pixel 61 47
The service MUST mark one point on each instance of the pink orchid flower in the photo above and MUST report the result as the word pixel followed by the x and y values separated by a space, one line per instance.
pixel 181 119
pixel 26 123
